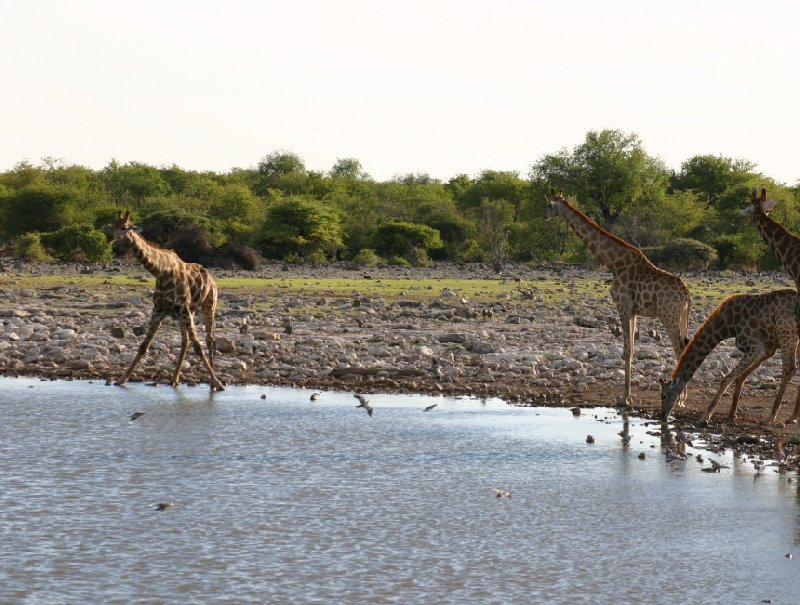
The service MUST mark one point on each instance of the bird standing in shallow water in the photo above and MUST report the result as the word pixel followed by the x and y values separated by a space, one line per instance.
pixel 758 465
pixel 162 506
pixel 136 415
pixel 364 403
pixel 314 396
pixel 500 492
pixel 430 407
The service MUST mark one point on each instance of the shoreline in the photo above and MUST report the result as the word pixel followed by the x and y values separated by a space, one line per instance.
pixel 533 336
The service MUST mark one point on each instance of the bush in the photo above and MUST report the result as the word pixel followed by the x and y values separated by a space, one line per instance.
pixel 77 242
pixel 236 256
pixel 366 257
pixel 192 245
pixel 29 247
pixel 398 261
pixel 682 254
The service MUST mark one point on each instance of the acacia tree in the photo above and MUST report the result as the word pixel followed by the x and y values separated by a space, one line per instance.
pixel 609 172
pixel 297 227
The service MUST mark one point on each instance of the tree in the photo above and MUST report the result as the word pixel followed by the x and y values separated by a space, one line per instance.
pixel 493 185
pixel 133 182
pixel 494 218
pixel 397 238
pixel 283 171
pixel 609 173
pixel 349 168
pixel 711 175
pixel 298 227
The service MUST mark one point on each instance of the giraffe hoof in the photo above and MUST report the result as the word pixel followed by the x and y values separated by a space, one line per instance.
pixel 702 423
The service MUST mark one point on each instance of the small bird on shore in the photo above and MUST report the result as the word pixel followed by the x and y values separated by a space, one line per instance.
pixel 364 403
pixel 576 411
pixel 430 407
pixel 315 396
pixel 163 506
pixel 589 438
pixel 136 415
pixel 672 455
pixel 716 466
pixel 500 492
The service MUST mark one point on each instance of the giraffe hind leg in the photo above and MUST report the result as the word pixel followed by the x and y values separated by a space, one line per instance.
pixel 216 385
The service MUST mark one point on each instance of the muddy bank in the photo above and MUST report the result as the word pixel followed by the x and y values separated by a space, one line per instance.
pixel 546 336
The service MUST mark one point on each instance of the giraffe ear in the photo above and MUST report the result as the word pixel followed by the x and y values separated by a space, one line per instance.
pixel 127 215
pixel 763 195
pixel 119 215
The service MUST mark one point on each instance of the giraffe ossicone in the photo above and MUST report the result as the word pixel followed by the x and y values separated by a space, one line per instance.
pixel 181 291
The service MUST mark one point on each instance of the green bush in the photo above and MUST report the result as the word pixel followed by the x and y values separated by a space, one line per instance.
pixel 682 254
pixel 82 242
pixel 29 247
pixel 366 257
pixel 398 261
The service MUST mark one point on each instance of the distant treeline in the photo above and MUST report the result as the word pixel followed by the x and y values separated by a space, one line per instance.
pixel 279 209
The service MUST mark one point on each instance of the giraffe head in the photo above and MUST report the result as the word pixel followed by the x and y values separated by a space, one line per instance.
pixel 554 202
pixel 121 226
pixel 671 391
pixel 759 201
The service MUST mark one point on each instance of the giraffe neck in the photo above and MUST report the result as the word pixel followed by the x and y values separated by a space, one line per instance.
pixel 157 261
pixel 611 250
pixel 717 327
pixel 783 244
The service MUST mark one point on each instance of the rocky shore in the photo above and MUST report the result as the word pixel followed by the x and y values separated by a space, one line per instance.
pixel 527 345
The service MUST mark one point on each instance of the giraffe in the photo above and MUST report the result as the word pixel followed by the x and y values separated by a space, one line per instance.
pixel 181 290
pixel 761 324
pixel 783 244
pixel 638 287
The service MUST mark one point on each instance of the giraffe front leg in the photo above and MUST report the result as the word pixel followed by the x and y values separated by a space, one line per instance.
pixel 155 324
pixel 628 332
pixel 750 362
pixel 181 356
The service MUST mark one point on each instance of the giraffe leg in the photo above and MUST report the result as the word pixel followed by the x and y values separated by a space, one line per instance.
pixel 739 384
pixel 181 356
pixel 628 332
pixel 789 367
pixel 208 322
pixel 155 324
pixel 741 369
pixel 216 385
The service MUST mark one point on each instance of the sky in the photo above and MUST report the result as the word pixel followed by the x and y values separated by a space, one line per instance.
pixel 442 87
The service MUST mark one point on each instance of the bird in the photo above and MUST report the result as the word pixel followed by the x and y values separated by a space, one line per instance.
pixel 364 403
pixel 589 438
pixel 672 455
pixel 500 492
pixel 136 415
pixel 314 396
pixel 683 439
pixel 716 466
pixel 162 506
pixel 700 458
pixel 758 465
pixel 576 411
pixel 626 438
pixel 430 407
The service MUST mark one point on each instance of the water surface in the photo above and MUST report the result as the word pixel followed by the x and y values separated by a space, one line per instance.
pixel 285 500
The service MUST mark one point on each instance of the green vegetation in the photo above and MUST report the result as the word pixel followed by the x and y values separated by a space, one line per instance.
pixel 280 209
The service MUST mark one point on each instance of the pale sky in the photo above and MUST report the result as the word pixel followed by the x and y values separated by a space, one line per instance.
pixel 430 86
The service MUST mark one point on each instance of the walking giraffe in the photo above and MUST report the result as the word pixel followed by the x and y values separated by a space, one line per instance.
pixel 638 287
pixel 761 324
pixel 783 244
pixel 181 290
